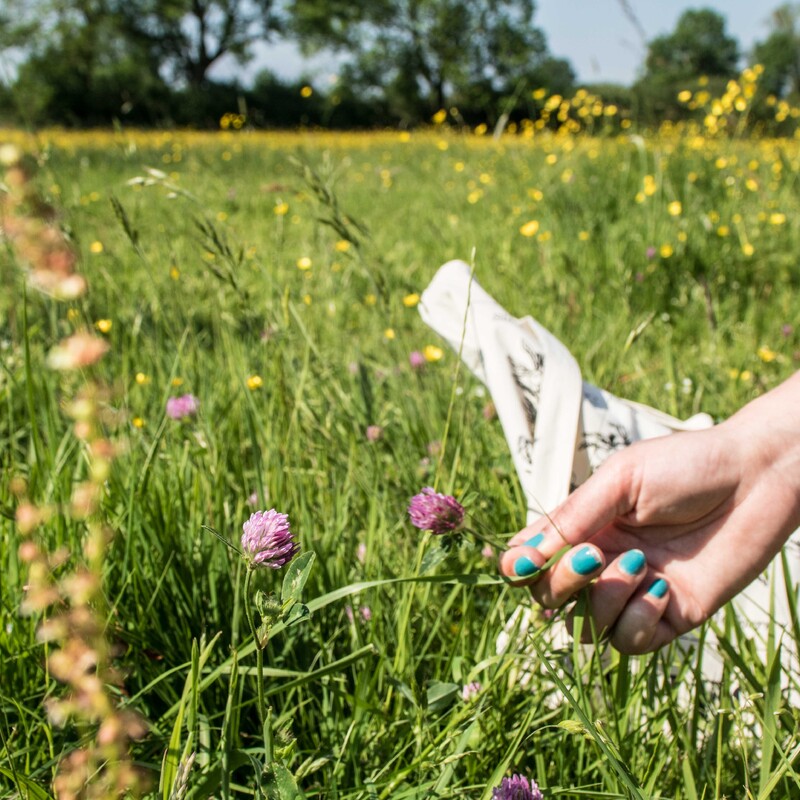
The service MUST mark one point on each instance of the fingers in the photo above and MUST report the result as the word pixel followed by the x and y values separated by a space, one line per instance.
pixel 626 602
pixel 633 617
pixel 609 594
pixel 610 493
pixel 523 563
pixel 641 627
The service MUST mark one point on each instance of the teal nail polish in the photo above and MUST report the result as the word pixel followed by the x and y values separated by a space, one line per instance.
pixel 659 588
pixel 535 541
pixel 524 567
pixel 632 562
pixel 585 561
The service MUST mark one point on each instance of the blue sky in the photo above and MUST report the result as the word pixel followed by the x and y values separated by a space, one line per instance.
pixel 594 35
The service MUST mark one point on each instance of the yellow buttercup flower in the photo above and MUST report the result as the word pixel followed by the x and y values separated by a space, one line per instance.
pixel 389 334
pixel 141 378
pixel 306 91
pixel 530 228
pixel 665 251
pixel 777 218
pixel 411 300
pixel 96 247
pixel 137 422
pixel 766 354
pixel 103 325
pixel 304 263
pixel 675 208
pixel 281 209
pixel 254 382
pixel 432 352
pixel 342 246
pixel 439 117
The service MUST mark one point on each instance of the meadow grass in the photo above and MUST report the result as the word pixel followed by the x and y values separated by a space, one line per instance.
pixel 272 276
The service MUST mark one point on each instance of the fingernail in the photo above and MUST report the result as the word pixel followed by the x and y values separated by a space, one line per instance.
pixel 524 567
pixel 659 588
pixel 535 541
pixel 585 561
pixel 632 562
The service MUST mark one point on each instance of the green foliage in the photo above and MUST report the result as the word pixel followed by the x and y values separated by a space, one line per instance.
pixel 698 48
pixel 779 53
pixel 198 273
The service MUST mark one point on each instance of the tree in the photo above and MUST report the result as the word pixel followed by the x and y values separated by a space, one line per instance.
pixel 187 37
pixel 424 55
pixel 697 46
pixel 81 67
pixel 779 54
pixel 699 49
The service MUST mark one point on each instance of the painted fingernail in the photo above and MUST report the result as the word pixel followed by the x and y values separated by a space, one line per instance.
pixel 659 588
pixel 632 562
pixel 585 561
pixel 524 567
pixel 535 541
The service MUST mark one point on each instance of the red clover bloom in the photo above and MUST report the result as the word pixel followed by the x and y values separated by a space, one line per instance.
pixel 517 787
pixel 438 513
pixel 267 540
pixel 186 405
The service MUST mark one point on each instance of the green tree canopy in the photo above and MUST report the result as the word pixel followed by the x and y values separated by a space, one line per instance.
pixel 187 37
pixel 698 46
pixel 423 55
pixel 779 53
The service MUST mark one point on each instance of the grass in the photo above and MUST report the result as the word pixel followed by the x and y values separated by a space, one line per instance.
pixel 196 267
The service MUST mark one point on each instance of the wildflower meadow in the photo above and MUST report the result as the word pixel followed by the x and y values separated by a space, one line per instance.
pixel 251 505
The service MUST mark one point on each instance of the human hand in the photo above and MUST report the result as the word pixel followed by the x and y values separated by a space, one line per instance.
pixel 670 529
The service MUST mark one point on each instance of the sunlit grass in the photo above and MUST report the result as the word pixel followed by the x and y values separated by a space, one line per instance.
pixel 269 275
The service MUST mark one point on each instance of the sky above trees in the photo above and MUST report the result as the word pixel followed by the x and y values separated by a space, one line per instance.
pixel 595 36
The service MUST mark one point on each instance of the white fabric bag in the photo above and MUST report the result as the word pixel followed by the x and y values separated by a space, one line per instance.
pixel 559 428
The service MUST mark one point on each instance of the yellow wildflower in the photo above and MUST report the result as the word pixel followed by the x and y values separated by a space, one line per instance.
pixel 103 325
pixel 675 208
pixel 410 300
pixel 432 352
pixel 304 263
pixel 96 247
pixel 530 228
pixel 766 354
pixel 254 382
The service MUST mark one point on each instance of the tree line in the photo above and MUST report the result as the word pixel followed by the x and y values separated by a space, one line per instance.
pixel 400 62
